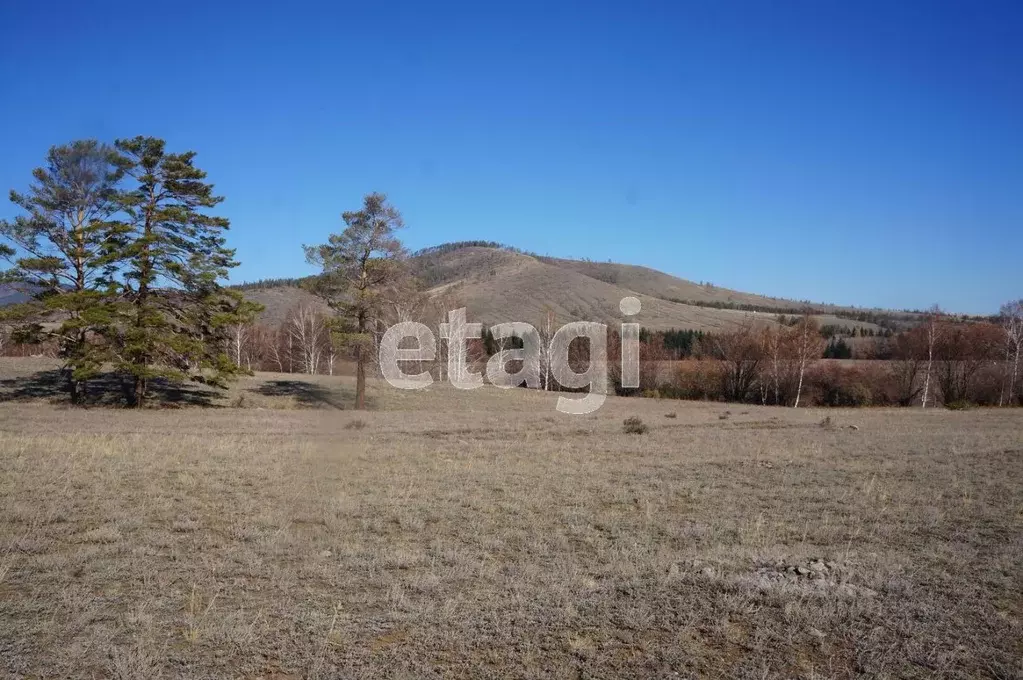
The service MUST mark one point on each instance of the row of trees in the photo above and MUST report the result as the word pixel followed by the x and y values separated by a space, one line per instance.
pixel 124 261
pixel 950 360
pixel 943 358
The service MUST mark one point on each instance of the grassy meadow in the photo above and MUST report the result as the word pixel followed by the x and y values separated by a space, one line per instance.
pixel 277 534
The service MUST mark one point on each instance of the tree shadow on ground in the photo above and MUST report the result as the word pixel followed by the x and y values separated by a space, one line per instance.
pixel 108 389
pixel 310 394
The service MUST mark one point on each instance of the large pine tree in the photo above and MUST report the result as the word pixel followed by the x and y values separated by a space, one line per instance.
pixel 61 253
pixel 360 265
pixel 173 312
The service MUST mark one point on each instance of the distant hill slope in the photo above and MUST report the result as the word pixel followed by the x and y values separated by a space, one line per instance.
pixel 497 284
pixel 666 287
pixel 278 301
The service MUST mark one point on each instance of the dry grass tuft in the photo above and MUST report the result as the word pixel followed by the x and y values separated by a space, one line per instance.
pixel 634 425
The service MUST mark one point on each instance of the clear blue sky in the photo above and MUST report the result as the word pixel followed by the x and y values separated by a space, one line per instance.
pixel 864 153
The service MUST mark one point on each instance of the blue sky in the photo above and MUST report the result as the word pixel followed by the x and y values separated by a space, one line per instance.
pixel 865 153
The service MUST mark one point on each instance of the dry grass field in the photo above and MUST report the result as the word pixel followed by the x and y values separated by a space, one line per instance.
pixel 453 534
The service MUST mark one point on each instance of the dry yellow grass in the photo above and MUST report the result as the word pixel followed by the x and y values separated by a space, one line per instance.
pixel 482 534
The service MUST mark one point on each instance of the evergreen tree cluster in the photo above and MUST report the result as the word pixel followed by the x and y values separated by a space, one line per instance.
pixel 119 245
pixel 683 342
pixel 837 348
pixel 264 284
pixel 834 330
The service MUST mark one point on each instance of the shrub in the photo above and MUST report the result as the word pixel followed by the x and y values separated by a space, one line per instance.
pixel 852 394
pixel 355 425
pixel 832 384
pixel 960 405
pixel 694 379
pixel 634 425
pixel 988 386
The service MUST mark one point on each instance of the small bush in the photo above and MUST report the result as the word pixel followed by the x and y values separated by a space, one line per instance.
pixel 634 425
pixel 355 425
pixel 832 384
pixel 960 405
pixel 851 394
pixel 693 379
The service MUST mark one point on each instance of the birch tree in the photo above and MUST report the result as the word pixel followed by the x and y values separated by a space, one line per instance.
pixel 546 329
pixel 808 347
pixel 1012 324
pixel 933 330
pixel 775 344
pixel 308 333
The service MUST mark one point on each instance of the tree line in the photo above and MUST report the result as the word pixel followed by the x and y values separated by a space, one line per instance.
pixel 945 360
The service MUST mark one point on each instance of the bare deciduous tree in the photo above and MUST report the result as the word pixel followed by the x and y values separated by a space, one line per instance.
pixel 308 333
pixel 808 345
pixel 741 353
pixel 239 334
pixel 778 348
pixel 934 315
pixel 961 350
pixel 546 329
pixel 1012 324
pixel 909 354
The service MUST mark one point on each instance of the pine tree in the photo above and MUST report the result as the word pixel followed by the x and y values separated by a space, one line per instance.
pixel 359 265
pixel 173 312
pixel 61 253
pixel 489 342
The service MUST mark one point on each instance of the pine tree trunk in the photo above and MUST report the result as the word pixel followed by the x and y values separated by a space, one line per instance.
pixel 140 391
pixel 76 389
pixel 360 370
pixel 360 380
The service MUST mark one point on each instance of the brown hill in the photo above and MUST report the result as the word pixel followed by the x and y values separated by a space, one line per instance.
pixel 499 284
pixel 666 287
pixel 279 301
